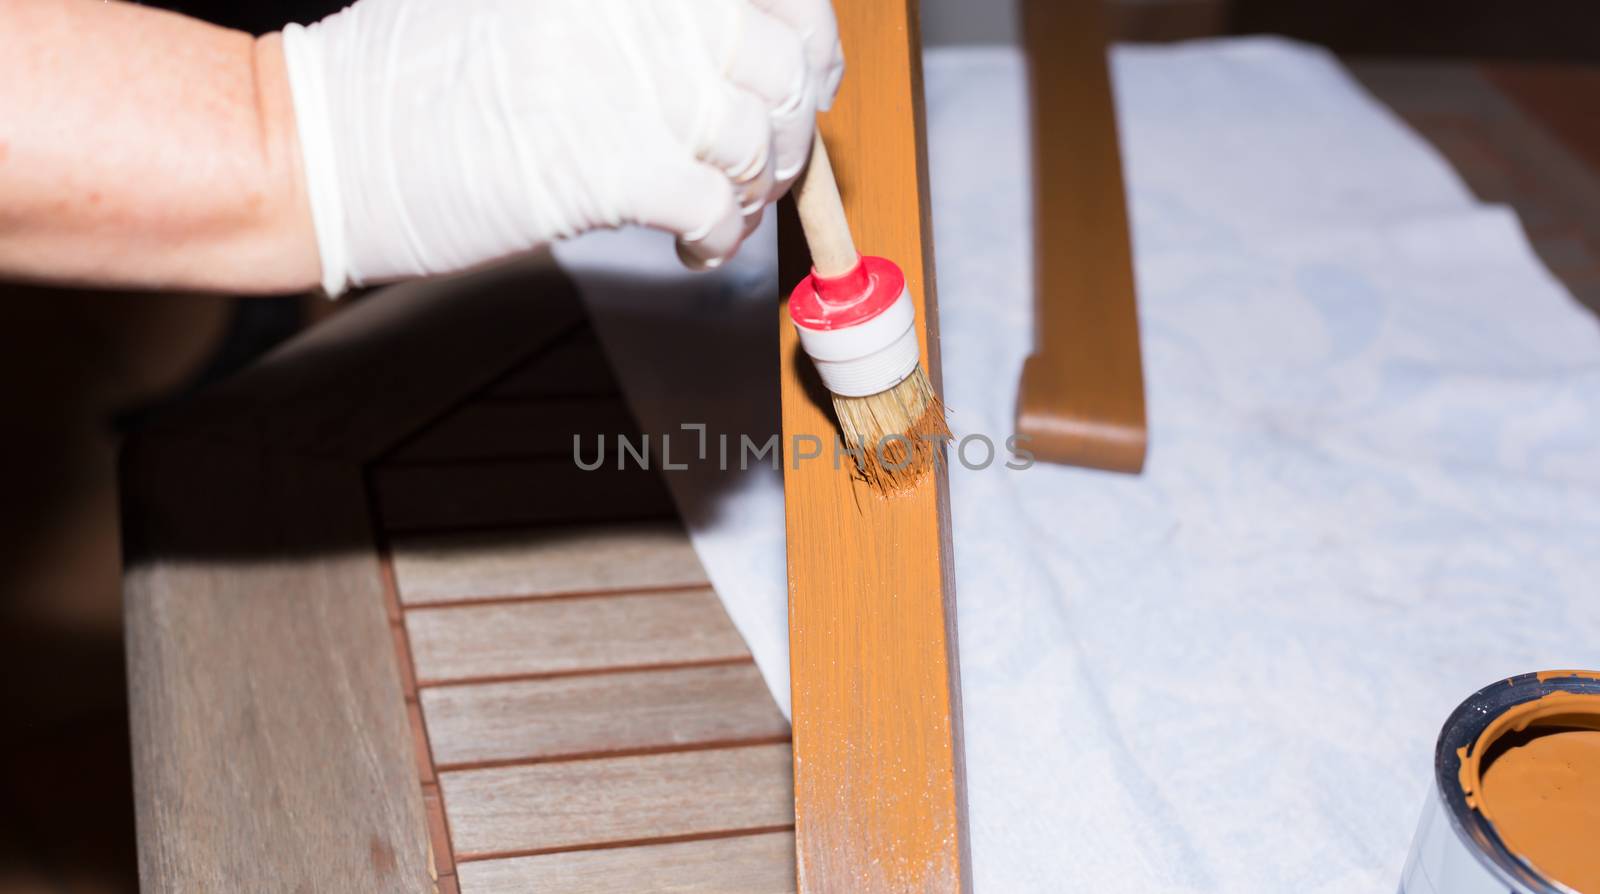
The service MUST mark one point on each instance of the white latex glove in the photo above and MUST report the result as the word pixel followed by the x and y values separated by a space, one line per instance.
pixel 439 134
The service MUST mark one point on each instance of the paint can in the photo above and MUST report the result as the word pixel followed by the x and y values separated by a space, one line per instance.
pixel 1456 850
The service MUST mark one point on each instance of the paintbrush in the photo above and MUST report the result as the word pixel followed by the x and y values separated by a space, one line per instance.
pixel 857 321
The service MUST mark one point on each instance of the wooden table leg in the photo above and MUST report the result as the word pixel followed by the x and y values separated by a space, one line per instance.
pixel 1081 398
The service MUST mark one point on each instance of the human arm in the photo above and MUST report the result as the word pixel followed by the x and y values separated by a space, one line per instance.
pixel 397 138
pixel 145 149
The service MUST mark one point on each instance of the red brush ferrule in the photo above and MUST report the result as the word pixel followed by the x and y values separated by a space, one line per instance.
pixel 858 329
pixel 838 302
pixel 843 290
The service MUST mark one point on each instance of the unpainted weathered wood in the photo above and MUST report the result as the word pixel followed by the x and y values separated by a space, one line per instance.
pixel 743 864
pixel 566 635
pixel 441 851
pixel 271 747
pixel 360 382
pixel 515 810
pixel 878 793
pixel 574 367
pixel 535 427
pixel 270 743
pixel 544 561
pixel 541 719
pixel 516 492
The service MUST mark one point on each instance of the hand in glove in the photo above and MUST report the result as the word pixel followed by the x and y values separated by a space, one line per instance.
pixel 437 135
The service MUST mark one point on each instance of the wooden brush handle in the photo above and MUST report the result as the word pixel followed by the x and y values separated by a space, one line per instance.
pixel 816 198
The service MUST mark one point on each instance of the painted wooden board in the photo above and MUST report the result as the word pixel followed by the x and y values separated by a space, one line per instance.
pixel 879 801
pixel 743 864
pixel 510 811
pixel 550 636
pixel 545 561
pixel 529 720
pixel 1081 397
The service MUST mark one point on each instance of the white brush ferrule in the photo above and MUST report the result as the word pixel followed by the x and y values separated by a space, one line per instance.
pixel 869 357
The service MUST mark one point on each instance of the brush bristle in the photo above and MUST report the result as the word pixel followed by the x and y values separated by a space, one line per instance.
pixel 885 426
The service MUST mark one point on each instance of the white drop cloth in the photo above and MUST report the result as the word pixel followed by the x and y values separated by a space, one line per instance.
pixel 1373 484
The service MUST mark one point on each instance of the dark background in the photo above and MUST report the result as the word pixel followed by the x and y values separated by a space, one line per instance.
pixel 1530 30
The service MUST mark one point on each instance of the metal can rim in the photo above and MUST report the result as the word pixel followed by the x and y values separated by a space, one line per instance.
pixel 1461 730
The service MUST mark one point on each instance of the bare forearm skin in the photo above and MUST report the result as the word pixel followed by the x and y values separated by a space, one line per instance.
pixel 141 148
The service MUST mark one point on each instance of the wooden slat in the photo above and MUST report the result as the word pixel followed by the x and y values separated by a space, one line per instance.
pixel 879 800
pixel 575 367
pixel 566 635
pixel 515 810
pixel 545 560
pixel 422 498
pixel 641 710
pixel 487 429
pixel 438 831
pixel 743 864
pixel 1081 397
pixel 419 742
pixel 358 383
pixel 271 749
